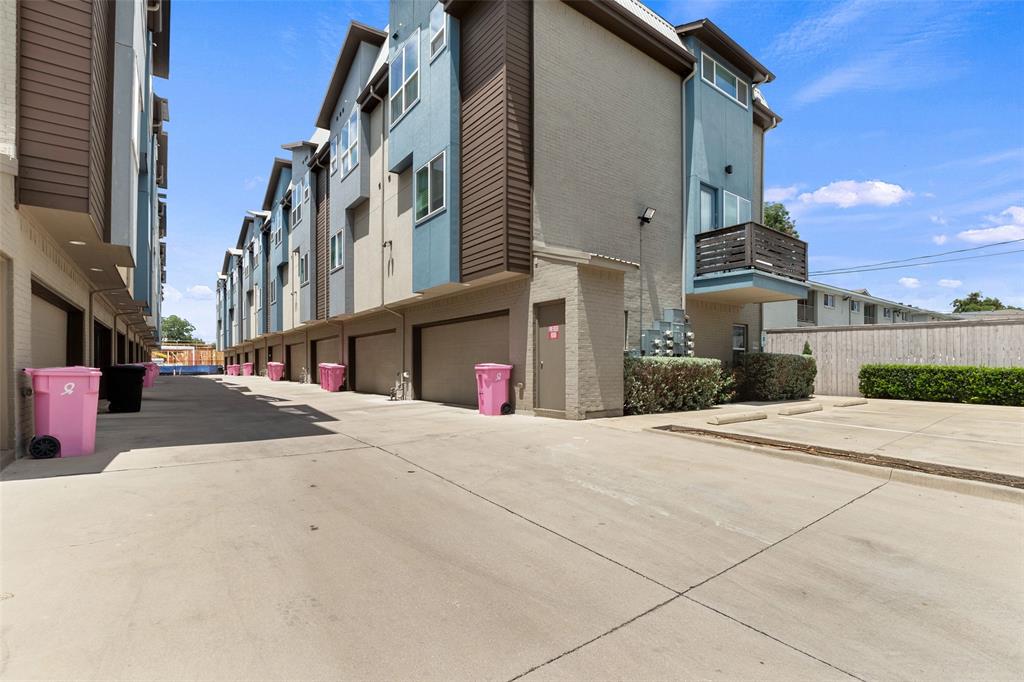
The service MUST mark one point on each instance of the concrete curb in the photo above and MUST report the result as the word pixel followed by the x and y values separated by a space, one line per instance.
pixel 801 409
pixel 954 485
pixel 739 417
pixel 851 403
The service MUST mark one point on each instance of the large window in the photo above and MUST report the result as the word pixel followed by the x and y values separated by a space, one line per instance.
pixel 304 269
pixel 708 206
pixel 336 253
pixel 297 203
pixel 430 188
pixel 349 145
pixel 829 300
pixel 739 337
pixel 305 187
pixel 438 30
pixel 735 209
pixel 724 80
pixel 405 77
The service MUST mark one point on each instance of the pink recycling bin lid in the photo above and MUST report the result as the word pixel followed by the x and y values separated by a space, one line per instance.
pixel 76 371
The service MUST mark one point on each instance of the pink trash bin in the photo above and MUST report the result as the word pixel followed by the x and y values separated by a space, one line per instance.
pixel 275 370
pixel 233 370
pixel 332 376
pixel 152 371
pixel 65 408
pixel 492 388
pixel 247 369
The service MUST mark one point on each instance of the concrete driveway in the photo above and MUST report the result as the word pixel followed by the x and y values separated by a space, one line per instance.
pixel 264 531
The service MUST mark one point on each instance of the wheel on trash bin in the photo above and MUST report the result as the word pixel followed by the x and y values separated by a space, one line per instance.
pixel 43 447
pixel 506 408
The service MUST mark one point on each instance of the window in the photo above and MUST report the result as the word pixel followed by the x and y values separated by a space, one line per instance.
pixel 723 80
pixel 276 237
pixel 830 300
pixel 305 187
pixel 430 188
pixel 854 306
pixel 350 143
pixel 297 203
pixel 739 337
pixel 334 155
pixel 887 312
pixel 259 299
pixel 273 292
pixel 405 77
pixel 735 209
pixel 304 269
pixel 708 205
pixel 336 251
pixel 438 30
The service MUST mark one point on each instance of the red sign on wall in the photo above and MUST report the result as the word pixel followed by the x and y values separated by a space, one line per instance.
pixel 553 332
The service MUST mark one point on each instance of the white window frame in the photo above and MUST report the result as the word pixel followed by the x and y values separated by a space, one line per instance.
pixel 334 155
pixel 705 57
pixel 296 205
pixel 829 297
pixel 276 236
pixel 256 295
pixel 444 188
pixel 335 253
pixel 738 201
pixel 854 306
pixel 350 138
pixel 746 339
pixel 400 55
pixel 443 32
pixel 303 269
pixel 305 187
pixel 273 292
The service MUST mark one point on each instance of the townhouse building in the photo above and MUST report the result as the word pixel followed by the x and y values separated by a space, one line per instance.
pixel 83 169
pixel 547 184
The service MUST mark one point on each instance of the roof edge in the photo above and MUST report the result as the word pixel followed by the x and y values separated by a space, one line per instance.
pixel 708 32
pixel 357 33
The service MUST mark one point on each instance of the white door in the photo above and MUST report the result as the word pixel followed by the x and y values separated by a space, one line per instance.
pixel 49 334
pixel 293 278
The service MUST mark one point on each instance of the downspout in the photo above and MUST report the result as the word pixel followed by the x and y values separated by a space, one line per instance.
pixel 685 182
pixel 401 316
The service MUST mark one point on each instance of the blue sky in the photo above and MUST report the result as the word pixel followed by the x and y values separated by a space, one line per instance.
pixel 903 131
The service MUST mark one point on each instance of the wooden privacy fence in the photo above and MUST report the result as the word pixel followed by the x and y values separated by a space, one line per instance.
pixel 840 351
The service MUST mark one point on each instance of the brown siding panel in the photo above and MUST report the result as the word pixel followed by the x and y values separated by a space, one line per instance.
pixel 496 139
pixel 65 80
pixel 321 243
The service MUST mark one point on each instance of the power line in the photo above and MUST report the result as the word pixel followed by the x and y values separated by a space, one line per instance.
pixel 934 255
pixel 914 265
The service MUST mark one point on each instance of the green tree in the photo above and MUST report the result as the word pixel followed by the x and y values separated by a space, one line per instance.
pixel 973 303
pixel 176 328
pixel 777 218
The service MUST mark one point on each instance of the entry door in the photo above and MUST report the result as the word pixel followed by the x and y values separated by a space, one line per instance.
pixel 550 345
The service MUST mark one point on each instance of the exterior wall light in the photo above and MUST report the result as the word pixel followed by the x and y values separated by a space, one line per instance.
pixel 648 215
pixel 728 169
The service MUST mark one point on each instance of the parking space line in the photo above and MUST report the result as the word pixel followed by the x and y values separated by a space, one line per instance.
pixel 908 433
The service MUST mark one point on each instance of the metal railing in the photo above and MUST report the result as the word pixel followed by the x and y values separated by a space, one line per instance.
pixel 751 246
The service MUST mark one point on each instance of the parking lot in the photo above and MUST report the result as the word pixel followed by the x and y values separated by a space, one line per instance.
pixel 250 530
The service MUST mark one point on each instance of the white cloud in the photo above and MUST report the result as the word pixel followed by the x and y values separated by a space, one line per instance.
pixel 940 239
pixel 938 220
pixel 950 283
pixel 171 294
pixel 780 193
pixel 910 282
pixel 849 193
pixel 1011 227
pixel 817 33
pixel 200 292
pixel 253 182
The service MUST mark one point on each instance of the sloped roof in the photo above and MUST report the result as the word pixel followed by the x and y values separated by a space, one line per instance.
pixel 718 40
pixel 275 175
pixel 357 33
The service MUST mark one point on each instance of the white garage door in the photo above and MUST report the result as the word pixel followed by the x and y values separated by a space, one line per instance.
pixel 49 334
pixel 326 351
pixel 377 363
pixel 448 353
pixel 295 361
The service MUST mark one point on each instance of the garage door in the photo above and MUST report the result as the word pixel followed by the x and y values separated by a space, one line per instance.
pixel 49 334
pixel 448 353
pixel 377 363
pixel 326 351
pixel 295 361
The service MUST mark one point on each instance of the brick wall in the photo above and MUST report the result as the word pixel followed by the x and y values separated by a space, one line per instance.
pixel 8 77
pixel 712 328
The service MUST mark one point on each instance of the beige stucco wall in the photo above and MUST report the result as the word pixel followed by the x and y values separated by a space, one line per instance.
pixel 607 144
pixel 712 327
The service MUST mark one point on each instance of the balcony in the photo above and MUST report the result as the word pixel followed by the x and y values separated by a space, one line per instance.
pixel 749 263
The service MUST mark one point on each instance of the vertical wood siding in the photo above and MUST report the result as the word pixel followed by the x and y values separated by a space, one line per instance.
pixel 322 242
pixel 841 351
pixel 496 139
pixel 65 76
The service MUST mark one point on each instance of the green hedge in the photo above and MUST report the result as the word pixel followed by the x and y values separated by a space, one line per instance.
pixel 654 384
pixel 774 376
pixel 944 384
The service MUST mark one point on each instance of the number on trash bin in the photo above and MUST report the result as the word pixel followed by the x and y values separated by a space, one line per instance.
pixel 69 388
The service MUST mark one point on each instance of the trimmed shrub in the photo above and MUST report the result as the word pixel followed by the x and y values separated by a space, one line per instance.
pixel 655 384
pixel 775 376
pixel 944 384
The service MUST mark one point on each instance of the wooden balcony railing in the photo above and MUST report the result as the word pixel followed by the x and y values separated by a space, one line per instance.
pixel 751 246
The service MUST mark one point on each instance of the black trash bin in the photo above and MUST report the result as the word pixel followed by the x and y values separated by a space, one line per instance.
pixel 122 386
